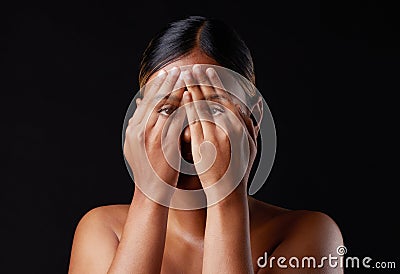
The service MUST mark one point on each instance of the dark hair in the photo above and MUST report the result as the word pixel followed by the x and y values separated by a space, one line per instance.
pixel 217 40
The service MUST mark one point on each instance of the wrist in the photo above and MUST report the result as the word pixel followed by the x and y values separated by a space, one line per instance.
pixel 142 200
pixel 155 190
pixel 226 191
pixel 229 214
pixel 236 200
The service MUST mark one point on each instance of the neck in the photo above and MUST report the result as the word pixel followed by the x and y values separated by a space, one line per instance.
pixel 188 224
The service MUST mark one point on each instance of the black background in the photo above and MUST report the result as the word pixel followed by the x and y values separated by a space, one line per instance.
pixel 329 73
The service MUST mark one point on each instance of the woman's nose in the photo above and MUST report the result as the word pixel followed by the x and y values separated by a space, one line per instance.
pixel 186 134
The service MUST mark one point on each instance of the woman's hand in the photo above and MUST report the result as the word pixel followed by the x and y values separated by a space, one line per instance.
pixel 148 128
pixel 217 125
pixel 222 150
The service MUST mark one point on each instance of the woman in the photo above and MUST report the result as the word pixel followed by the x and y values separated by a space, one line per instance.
pixel 237 234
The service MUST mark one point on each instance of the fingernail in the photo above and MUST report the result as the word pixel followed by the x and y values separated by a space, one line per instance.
pixel 161 72
pixel 186 94
pixel 174 71
pixel 197 67
pixel 211 71
pixel 186 74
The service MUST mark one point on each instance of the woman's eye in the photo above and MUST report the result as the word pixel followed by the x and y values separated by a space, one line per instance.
pixel 166 110
pixel 216 110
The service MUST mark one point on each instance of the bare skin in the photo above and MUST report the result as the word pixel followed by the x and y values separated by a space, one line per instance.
pixel 229 237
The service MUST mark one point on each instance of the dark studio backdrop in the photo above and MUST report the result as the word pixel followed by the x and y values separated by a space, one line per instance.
pixel 69 72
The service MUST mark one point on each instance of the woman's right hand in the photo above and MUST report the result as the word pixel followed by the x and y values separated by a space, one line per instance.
pixel 153 134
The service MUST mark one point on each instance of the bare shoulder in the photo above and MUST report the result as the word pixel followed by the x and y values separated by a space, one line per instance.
pixel 293 230
pixel 108 213
pixel 90 254
pixel 264 215
pixel 111 217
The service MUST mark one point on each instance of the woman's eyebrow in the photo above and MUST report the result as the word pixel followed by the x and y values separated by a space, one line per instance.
pixel 169 97
pixel 213 97
pixel 218 97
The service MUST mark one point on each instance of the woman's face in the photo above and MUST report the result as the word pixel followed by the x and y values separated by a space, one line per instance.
pixel 234 105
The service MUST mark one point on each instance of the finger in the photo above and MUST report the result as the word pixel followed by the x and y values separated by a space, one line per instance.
pixel 238 104
pixel 179 83
pixel 171 129
pixel 231 98
pixel 196 131
pixel 222 120
pixel 154 85
pixel 153 114
pixel 234 125
pixel 148 92
pixel 171 102
pixel 173 126
pixel 211 93
pixel 171 133
pixel 192 85
pixel 257 110
pixel 168 85
pixel 159 98
pixel 158 90
pixel 215 81
pixel 203 81
pixel 174 99
pixel 201 106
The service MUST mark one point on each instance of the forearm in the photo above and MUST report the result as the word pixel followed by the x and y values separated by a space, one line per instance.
pixel 227 237
pixel 142 242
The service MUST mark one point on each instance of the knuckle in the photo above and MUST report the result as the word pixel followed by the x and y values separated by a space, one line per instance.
pixel 153 137
pixel 239 129
pixel 158 81
pixel 126 150
pixel 225 138
pixel 128 131
pixel 169 81
pixel 199 75
pixel 213 140
pixel 140 135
